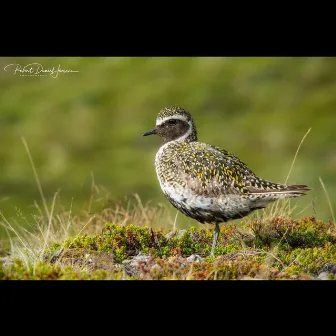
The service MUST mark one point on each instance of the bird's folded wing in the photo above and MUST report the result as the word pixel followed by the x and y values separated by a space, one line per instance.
pixel 211 171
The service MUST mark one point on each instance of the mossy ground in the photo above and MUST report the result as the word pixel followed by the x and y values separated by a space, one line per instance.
pixel 279 249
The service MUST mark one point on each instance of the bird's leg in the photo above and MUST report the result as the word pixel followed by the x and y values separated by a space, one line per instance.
pixel 215 237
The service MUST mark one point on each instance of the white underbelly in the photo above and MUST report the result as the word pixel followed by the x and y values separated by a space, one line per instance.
pixel 222 203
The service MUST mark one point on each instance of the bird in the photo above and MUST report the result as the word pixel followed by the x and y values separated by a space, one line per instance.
pixel 205 182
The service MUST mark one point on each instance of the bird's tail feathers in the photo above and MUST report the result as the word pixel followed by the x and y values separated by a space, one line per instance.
pixel 296 188
pixel 285 190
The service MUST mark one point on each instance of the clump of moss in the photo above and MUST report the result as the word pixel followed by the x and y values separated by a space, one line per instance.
pixel 239 268
pixel 308 260
pixel 288 233
pixel 121 241
pixel 126 241
pixel 17 270
pixel 45 271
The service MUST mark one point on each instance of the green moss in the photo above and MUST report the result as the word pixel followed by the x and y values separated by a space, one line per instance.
pixel 45 271
pixel 229 248
pixel 331 277
pixel 280 249
pixel 309 260
pixel 126 241
pixel 39 271
pixel 289 233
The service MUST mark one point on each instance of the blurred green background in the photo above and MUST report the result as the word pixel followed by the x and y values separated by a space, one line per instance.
pixel 92 121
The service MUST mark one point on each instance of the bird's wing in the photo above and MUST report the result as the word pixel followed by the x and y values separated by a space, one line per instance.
pixel 255 185
pixel 248 173
pixel 212 171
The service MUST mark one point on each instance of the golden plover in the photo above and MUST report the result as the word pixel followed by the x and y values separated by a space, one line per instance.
pixel 205 182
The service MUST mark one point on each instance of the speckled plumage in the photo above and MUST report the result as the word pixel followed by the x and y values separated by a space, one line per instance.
pixel 205 182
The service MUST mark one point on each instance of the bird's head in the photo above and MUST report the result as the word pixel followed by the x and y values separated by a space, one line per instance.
pixel 174 124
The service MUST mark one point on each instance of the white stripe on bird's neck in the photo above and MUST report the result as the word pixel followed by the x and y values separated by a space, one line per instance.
pixel 160 121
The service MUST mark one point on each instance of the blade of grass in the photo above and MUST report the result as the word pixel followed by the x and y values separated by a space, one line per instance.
pixel 6 221
pixel 286 203
pixel 49 222
pixel 85 225
pixel 297 151
pixel 328 199
pixel 174 227
pixel 36 176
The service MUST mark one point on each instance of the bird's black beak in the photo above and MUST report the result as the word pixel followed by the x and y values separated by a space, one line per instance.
pixel 153 131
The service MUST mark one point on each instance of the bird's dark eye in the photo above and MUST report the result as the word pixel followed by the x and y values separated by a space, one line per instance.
pixel 172 122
